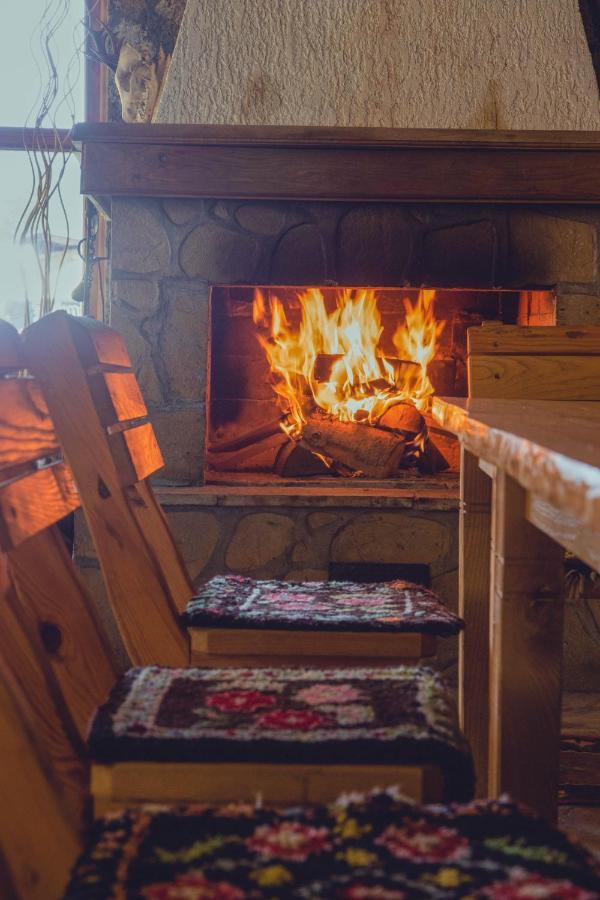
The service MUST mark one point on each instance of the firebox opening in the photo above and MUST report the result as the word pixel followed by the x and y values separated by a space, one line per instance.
pixel 329 383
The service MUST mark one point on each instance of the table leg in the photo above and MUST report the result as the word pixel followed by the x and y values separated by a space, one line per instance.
pixel 527 612
pixel 474 593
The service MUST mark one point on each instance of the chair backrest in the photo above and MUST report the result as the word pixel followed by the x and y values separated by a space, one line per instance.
pixel 54 665
pixel 512 362
pixel 85 373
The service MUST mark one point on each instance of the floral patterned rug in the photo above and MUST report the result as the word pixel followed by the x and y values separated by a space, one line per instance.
pixel 376 848
pixel 235 601
pixel 393 716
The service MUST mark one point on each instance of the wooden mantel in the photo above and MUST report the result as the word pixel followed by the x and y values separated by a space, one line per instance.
pixel 373 164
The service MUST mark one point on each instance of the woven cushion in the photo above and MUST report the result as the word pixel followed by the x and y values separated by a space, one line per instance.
pixel 394 716
pixel 234 601
pixel 378 848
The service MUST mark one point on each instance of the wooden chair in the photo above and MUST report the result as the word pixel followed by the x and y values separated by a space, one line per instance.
pixel 85 373
pixel 166 851
pixel 512 362
pixel 53 649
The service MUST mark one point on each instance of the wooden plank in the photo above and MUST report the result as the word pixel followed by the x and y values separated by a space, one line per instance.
pixel 38 843
pixel 547 377
pixel 26 430
pixel 317 136
pixel 22 671
pixel 138 587
pixel 557 340
pixel 11 358
pixel 551 448
pixel 136 453
pixel 527 610
pixel 566 530
pixel 33 502
pixel 423 173
pixel 473 607
pixel 298 644
pixel 48 139
pixel 138 782
pixel 56 606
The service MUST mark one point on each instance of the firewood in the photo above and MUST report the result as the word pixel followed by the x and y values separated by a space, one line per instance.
pixel 324 363
pixel 260 456
pixel 366 448
pixel 403 417
pixel 295 461
pixel 442 449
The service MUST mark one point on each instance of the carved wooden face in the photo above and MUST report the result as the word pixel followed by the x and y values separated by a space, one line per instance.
pixel 137 84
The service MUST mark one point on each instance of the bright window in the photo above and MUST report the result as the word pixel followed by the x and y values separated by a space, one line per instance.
pixel 26 76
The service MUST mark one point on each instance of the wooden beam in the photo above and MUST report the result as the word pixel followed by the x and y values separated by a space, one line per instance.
pixel 339 163
pixel 29 139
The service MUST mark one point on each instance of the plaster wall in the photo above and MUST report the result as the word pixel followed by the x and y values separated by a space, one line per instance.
pixel 512 64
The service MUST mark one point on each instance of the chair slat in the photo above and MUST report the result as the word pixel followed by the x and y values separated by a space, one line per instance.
pixel 136 453
pixel 536 339
pixel 33 502
pixel 97 344
pixel 510 362
pixel 117 397
pixel 26 430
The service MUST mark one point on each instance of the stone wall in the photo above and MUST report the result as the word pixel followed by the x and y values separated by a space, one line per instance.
pixel 166 254
pixel 396 63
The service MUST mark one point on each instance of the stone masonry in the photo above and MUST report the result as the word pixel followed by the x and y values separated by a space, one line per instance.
pixel 165 256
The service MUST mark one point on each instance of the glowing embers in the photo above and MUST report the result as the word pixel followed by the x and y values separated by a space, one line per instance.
pixel 341 397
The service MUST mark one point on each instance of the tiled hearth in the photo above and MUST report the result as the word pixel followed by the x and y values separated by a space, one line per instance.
pixel 167 253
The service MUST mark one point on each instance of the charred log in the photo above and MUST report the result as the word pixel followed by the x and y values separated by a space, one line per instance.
pixel 365 448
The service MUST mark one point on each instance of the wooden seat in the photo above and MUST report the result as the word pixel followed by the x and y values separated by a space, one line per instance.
pixel 533 363
pixel 85 373
pixel 184 734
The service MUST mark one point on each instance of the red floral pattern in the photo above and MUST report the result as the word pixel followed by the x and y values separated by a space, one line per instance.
pixel 290 841
pixel 192 886
pixel 525 885
pixel 361 848
pixel 240 701
pixel 424 843
pixel 370 892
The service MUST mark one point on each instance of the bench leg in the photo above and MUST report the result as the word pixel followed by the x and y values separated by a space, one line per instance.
pixel 474 593
pixel 526 636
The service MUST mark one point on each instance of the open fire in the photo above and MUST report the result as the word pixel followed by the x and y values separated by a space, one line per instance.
pixel 355 408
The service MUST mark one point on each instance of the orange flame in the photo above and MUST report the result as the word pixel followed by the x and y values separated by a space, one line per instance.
pixel 361 383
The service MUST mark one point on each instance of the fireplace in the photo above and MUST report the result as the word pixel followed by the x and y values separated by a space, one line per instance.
pixel 309 383
pixel 501 227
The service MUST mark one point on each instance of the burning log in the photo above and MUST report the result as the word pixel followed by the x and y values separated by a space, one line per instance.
pixel 324 363
pixel 366 448
pixel 403 417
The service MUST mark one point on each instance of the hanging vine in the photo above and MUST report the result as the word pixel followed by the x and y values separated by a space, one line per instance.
pixel 48 158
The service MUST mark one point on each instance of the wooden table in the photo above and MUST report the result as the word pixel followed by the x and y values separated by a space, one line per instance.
pixel 530 486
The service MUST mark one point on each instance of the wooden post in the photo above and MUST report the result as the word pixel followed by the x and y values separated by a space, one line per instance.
pixel 526 636
pixel 474 593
